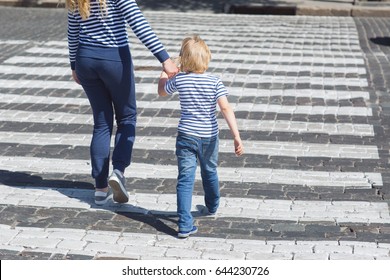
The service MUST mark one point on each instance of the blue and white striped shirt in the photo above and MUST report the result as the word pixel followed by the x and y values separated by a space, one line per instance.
pixel 109 30
pixel 198 94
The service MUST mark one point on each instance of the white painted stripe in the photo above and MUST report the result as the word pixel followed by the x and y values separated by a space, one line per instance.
pixel 39 84
pixel 214 64
pixel 34 60
pixel 243 124
pixel 246 208
pixel 234 78
pixel 146 246
pixel 36 71
pixel 138 48
pixel 271 148
pixel 14 42
pixel 65 70
pixel 350 180
pixel 264 79
pixel 26 99
pixel 175 105
pixel 221 56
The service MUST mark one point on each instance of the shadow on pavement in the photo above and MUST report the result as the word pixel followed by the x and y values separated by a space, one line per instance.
pixel 383 41
pixel 216 6
pixel 149 217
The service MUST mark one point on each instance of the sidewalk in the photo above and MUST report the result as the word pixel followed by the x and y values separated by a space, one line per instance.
pixel 276 7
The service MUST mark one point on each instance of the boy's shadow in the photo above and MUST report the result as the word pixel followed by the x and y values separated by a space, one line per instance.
pixel 66 187
pixel 383 41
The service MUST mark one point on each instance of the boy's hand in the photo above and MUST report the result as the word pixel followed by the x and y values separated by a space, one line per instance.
pixel 238 147
pixel 161 84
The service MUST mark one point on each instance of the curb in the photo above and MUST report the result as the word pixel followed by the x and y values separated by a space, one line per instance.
pixel 33 3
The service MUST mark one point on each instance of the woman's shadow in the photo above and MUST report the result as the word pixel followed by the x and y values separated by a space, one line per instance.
pixel 153 218
pixel 382 41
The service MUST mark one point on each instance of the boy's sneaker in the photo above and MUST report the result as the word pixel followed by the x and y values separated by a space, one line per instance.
pixel 102 197
pixel 117 182
pixel 185 234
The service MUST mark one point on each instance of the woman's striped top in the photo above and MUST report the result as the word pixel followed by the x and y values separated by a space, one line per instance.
pixel 109 29
pixel 198 94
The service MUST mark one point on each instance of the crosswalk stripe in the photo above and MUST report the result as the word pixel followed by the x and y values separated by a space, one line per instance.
pixel 72 85
pixel 175 105
pixel 244 124
pixel 353 180
pixel 271 148
pixel 165 204
pixel 10 68
pixel 60 48
pixel 268 58
pixel 156 246
pixel 214 64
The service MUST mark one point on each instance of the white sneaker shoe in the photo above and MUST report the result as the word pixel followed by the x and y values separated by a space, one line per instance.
pixel 117 182
pixel 101 197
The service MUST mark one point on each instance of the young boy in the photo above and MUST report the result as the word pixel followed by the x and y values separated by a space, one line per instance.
pixel 197 138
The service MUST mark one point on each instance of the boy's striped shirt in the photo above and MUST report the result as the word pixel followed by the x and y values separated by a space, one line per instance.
pixel 109 29
pixel 198 94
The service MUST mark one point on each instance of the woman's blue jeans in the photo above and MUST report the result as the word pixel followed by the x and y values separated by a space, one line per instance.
pixel 110 88
pixel 189 151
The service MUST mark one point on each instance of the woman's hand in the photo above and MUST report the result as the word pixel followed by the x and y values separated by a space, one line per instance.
pixel 170 68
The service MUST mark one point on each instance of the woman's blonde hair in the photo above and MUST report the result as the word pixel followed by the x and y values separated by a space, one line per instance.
pixel 195 55
pixel 84 7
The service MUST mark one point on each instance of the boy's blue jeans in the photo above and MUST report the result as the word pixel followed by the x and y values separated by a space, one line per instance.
pixel 190 150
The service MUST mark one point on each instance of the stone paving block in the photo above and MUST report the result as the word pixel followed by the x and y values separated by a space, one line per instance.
pixel 325 248
pixel 187 253
pixel 110 238
pixel 209 246
pixel 311 256
pixel 104 247
pixel 222 255
pixel 35 242
pixel 72 244
pixel 341 256
pixel 271 256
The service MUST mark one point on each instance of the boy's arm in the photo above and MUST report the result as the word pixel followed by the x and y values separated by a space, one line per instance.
pixel 161 84
pixel 230 118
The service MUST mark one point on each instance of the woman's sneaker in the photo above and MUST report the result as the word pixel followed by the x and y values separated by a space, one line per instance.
pixel 101 197
pixel 117 182
pixel 185 234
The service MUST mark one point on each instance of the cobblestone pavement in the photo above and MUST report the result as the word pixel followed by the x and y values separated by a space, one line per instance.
pixel 311 96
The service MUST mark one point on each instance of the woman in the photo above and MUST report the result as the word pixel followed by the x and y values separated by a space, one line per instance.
pixel 101 62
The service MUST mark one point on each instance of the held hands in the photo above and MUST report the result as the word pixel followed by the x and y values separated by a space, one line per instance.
pixel 238 146
pixel 170 68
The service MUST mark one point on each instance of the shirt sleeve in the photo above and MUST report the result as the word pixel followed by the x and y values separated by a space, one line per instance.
pixel 73 38
pixel 220 90
pixel 142 29
pixel 170 86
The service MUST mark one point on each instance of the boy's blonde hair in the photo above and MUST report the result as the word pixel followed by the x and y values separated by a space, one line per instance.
pixel 195 55
pixel 84 7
